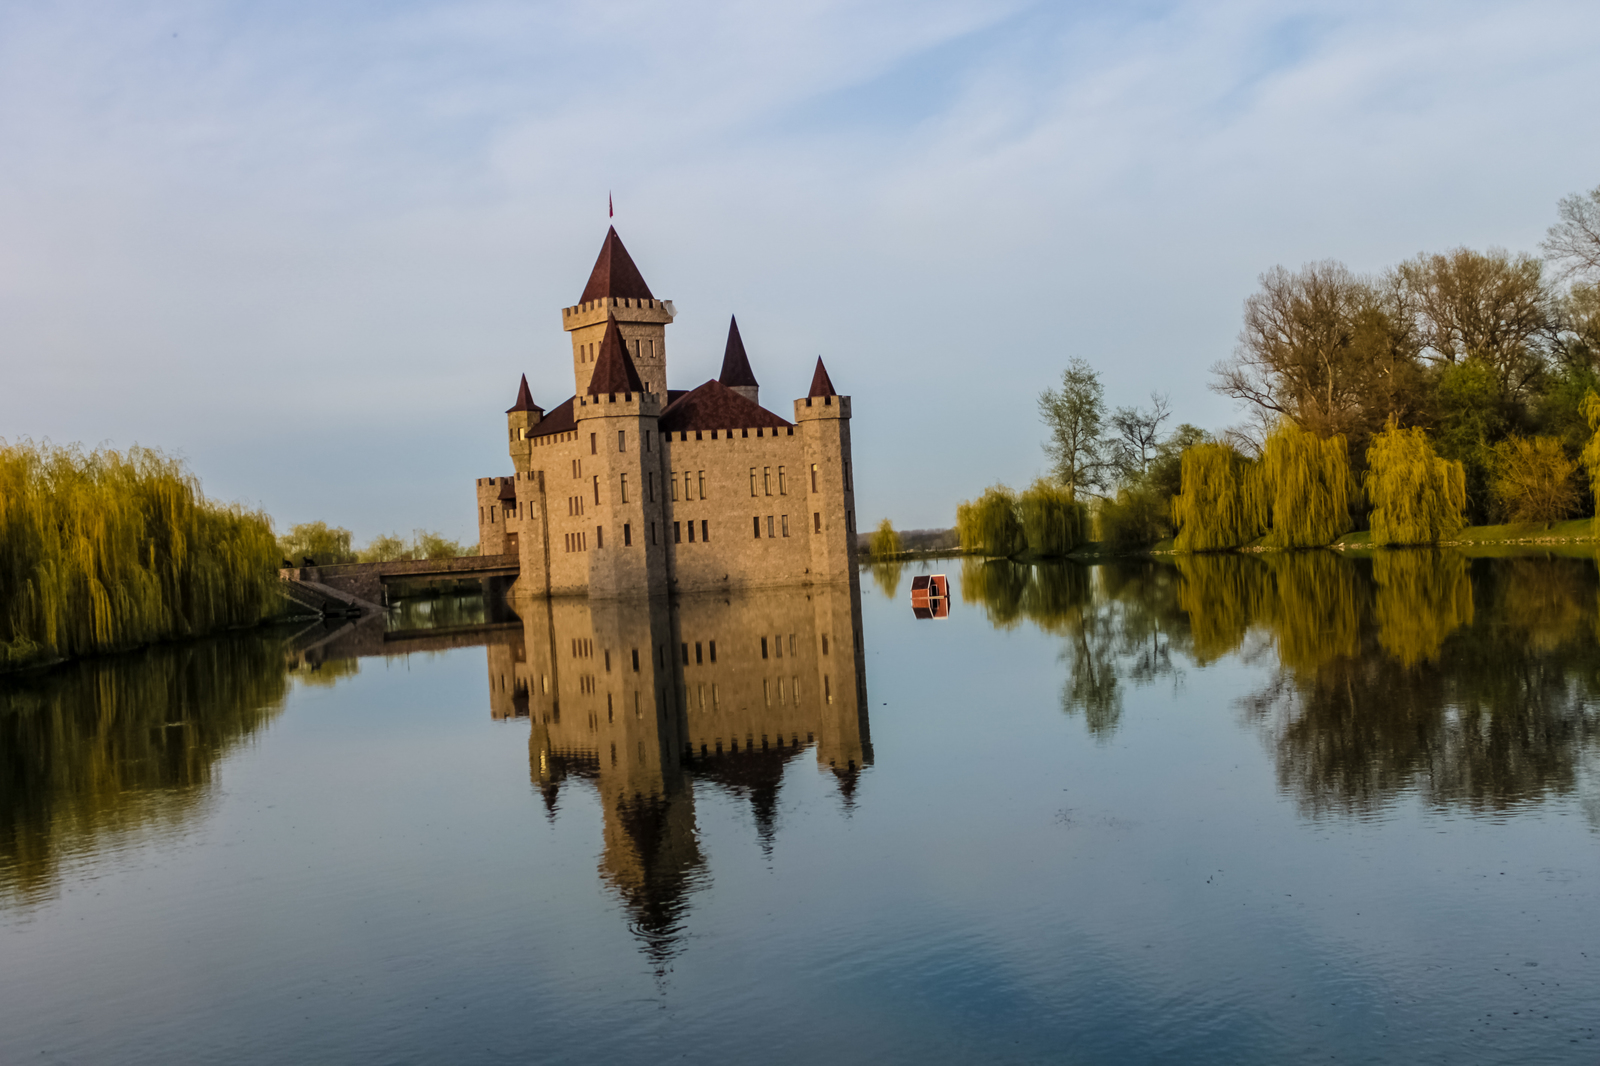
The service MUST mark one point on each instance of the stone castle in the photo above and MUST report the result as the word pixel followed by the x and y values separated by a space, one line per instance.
pixel 630 486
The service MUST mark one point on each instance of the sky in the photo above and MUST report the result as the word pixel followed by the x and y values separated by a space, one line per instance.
pixel 310 247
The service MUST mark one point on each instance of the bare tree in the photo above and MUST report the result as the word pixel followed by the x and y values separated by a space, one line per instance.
pixel 1574 242
pixel 1326 348
pixel 1075 415
pixel 1488 306
pixel 1138 435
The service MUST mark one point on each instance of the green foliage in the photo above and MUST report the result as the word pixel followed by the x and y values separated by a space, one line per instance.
pixel 318 541
pixel 884 541
pixel 436 546
pixel 1053 520
pixel 1075 415
pixel 1308 485
pixel 1417 497
pixel 385 548
pixel 388 548
pixel 1590 408
pixel 1533 479
pixel 1471 416
pixel 1136 517
pixel 109 550
pixel 1221 505
pixel 989 525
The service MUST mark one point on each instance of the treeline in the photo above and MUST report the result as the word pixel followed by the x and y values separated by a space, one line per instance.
pixel 106 550
pixel 1453 389
pixel 324 545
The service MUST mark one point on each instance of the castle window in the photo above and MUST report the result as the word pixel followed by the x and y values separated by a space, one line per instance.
pixel 766 478
pixel 827 688
pixel 622 440
pixel 705 530
pixel 686 653
pixel 849 521
pixel 608 670
pixel 599 536
pixel 713 659
pixel 624 488
pixel 757 520
pixel 577 468
pixel 647 440
pixel 744 433
pixel 650 486
pixel 688 485
pixel 697 655
pixel 652 532
pixel 847 475
pixel 597 488
pixel 752 481
pixel 769 526
pixel 781 490
pixel 627 535
pixel 763 647
pixel 702 484
pixel 813 477
pixel 677 532
pixel 789 431
pixel 766 691
pixel 824 643
pixel 786 525
pixel 674 486
pixel 791 645
pixel 690 524
pixel 636 670
pixel 777 646
pixel 594 444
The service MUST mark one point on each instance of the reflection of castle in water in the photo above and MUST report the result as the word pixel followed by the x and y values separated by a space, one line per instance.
pixel 638 699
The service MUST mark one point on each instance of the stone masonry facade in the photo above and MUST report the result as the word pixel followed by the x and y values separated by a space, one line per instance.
pixel 630 487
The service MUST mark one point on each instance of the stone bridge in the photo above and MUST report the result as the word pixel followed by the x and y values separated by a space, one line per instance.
pixel 359 588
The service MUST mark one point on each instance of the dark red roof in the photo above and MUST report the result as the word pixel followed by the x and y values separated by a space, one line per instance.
pixel 735 364
pixel 613 367
pixel 820 385
pixel 715 406
pixel 614 274
pixel 524 399
pixel 559 420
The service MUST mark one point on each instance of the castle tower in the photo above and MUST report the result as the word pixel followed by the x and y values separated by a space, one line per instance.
pixel 620 449
pixel 521 417
pixel 736 372
pixel 617 290
pixel 824 421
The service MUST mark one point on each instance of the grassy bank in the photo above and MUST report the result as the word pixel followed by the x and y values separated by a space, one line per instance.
pixel 103 551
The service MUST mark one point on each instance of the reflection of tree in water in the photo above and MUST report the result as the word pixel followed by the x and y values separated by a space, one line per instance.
pixel 1467 681
pixel 886 575
pixel 1483 704
pixel 1115 622
pixel 109 746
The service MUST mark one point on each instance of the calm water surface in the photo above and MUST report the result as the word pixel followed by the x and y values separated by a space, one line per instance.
pixel 1286 808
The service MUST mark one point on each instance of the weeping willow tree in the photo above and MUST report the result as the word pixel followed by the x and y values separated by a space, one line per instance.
pixel 884 541
pixel 1416 497
pixel 1422 597
pixel 1591 451
pixel 1308 486
pixel 1221 504
pixel 1053 521
pixel 106 550
pixel 989 525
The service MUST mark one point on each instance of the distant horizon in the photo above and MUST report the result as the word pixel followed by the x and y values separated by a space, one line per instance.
pixel 312 251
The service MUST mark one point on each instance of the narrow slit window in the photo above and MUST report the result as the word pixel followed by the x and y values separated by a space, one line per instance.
pixel 813 477
pixel 705 530
pixel 756 519
pixel 594 444
pixel 622 440
pixel 781 490
pixel 627 535
pixel 677 532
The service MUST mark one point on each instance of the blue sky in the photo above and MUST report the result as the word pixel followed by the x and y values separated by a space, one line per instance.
pixel 310 247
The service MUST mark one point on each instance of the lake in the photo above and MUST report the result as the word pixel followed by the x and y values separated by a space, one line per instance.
pixel 1273 808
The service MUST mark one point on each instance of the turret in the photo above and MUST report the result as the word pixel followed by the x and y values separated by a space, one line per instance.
pixel 824 421
pixel 521 417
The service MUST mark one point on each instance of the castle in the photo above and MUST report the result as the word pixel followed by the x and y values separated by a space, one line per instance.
pixel 630 486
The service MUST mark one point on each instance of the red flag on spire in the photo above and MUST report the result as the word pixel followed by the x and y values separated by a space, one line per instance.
pixel 611 211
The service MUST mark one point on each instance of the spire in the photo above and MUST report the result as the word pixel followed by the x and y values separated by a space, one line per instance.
pixel 736 372
pixel 524 399
pixel 614 274
pixel 613 366
pixel 820 385
pixel 735 364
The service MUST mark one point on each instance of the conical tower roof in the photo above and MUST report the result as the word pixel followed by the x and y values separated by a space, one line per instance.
pixel 735 364
pixel 820 385
pixel 614 274
pixel 613 367
pixel 524 399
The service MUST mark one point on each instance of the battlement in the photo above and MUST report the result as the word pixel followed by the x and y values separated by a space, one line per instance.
pixel 817 407
pixel 681 436
pixel 610 404
pixel 595 312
